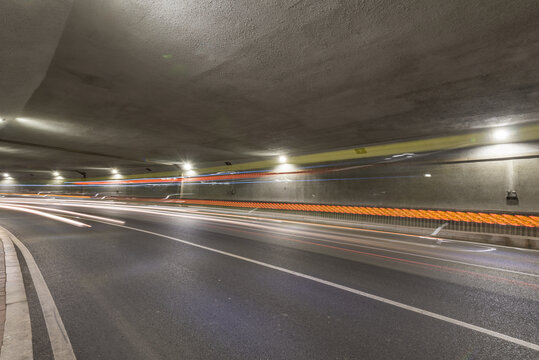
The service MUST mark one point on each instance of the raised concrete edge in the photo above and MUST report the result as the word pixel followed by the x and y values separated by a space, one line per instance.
pixel 526 242
pixel 2 292
pixel 60 343
pixel 17 337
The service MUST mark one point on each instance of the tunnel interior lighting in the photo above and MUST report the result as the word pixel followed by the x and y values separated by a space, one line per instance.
pixel 187 166
pixel 6 175
pixel 505 150
pixel 427 175
pixel 114 171
pixel 285 168
pixel 501 134
pixel 55 173
pixel 283 159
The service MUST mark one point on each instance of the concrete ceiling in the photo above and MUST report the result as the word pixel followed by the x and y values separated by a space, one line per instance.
pixel 138 83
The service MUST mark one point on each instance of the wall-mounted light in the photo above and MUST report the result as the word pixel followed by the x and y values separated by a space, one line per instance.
pixel 505 150
pixel 283 159
pixel 56 173
pixel 6 175
pixel 114 171
pixel 285 168
pixel 501 134
pixel 427 175
pixel 187 166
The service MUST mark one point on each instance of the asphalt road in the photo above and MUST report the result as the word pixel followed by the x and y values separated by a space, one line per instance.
pixel 191 285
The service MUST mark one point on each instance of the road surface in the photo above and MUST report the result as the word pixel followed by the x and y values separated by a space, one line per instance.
pixel 172 283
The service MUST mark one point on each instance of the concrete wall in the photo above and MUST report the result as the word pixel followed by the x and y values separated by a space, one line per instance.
pixel 474 186
pixel 466 186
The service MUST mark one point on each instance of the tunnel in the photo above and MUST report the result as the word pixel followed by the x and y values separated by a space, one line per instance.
pixel 292 179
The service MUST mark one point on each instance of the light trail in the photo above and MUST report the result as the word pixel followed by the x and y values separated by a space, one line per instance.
pixel 392 258
pixel 248 221
pixel 46 215
pixel 73 213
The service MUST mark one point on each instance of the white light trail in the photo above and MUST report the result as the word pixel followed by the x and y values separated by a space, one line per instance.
pixel 44 214
pixel 73 213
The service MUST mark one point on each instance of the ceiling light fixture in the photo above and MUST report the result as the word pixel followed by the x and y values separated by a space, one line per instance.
pixel 114 171
pixel 55 173
pixel 6 175
pixel 427 175
pixel 283 159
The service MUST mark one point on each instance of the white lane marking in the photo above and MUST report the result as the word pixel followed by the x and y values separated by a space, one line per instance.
pixel 17 341
pixel 180 213
pixel 351 290
pixel 73 213
pixel 253 210
pixel 438 229
pixel 44 214
pixel 483 248
pixel 61 346
pixel 487 248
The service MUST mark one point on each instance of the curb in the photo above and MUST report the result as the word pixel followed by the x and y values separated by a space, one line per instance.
pixel 17 336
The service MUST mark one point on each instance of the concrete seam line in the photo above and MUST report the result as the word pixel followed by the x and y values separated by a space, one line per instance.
pixel 61 346
pixel 17 341
pixel 351 290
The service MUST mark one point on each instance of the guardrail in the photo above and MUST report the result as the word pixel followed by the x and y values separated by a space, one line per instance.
pixel 470 221
pixel 434 223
